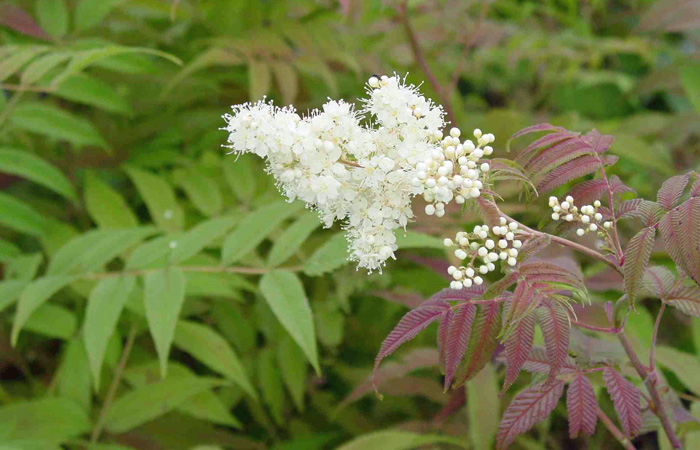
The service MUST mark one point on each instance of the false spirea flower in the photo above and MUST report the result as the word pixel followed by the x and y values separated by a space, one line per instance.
pixel 588 216
pixel 481 249
pixel 362 167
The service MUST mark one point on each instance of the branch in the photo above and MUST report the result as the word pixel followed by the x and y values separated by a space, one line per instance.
pixel 95 436
pixel 565 242
pixel 611 204
pixel 652 364
pixel 612 428
pixel 650 382
pixel 423 64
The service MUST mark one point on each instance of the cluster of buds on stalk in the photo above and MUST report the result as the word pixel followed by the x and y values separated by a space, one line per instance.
pixel 453 170
pixel 483 247
pixel 588 215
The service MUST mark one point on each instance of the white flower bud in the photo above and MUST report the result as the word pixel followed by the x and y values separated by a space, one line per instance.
pixel 596 203
pixel 469 272
pixel 555 216
pixel 512 261
pixel 478 281
pixel 451 270
pixel 490 244
pixel 477 133
pixel 373 82
pixel 598 216
pixel 429 210
pixel 455 132
pixel 485 167
pixel 607 224
pixel 517 244
pixel 448 242
pixel 482 251
pixel 593 227
pixel 502 243
pixel 569 199
pixel 580 232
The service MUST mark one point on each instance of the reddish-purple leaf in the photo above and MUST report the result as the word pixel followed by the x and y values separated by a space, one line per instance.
pixel 672 190
pixel 458 333
pixel 15 18
pixel 628 208
pixel 537 362
pixel 546 269
pixel 482 342
pixel 518 346
pixel 686 298
pixel 488 211
pixel 637 256
pixel 497 288
pixel 568 171
pixel 524 301
pixel 533 246
pixel 582 406
pixel 554 322
pixel 466 293
pixel 556 155
pixel 609 279
pixel 528 408
pixel 625 397
pixel 536 128
pixel 588 191
pixel 695 188
pixel 680 230
pixel 599 143
pixel 658 281
pixel 443 329
pixel 545 142
pixel 410 325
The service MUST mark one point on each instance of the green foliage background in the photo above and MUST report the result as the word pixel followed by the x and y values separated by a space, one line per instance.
pixel 126 230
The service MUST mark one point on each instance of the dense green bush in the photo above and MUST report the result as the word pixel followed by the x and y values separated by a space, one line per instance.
pixel 157 293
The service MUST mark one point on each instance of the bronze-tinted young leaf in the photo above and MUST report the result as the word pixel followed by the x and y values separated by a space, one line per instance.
pixel 467 293
pixel 528 408
pixel 537 362
pixel 554 322
pixel 443 329
pixel 695 188
pixel 625 397
pixel 672 190
pixel 482 342
pixel 680 231
pixel 582 406
pixel 409 326
pixel 523 303
pixel 599 143
pixel 458 333
pixel 518 346
pixel 547 160
pixel 628 208
pixel 542 142
pixel 685 298
pixel 637 256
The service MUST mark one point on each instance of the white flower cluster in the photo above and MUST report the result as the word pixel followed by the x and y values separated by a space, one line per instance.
pixel 452 171
pixel 484 246
pixel 362 167
pixel 588 215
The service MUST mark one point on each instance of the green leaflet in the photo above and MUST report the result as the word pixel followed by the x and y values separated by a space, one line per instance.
pixel 164 294
pixel 328 257
pixel 399 440
pixel 153 400
pixel 202 191
pixel 285 295
pixel 52 418
pixel 211 349
pixel 104 307
pixel 74 375
pixel 19 216
pixel 26 165
pixel 33 296
pixel 90 251
pixel 292 238
pixel 106 206
pixel 159 198
pixel 50 121
pixel 254 228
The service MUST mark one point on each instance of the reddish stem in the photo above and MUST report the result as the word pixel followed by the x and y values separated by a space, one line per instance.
pixel 614 430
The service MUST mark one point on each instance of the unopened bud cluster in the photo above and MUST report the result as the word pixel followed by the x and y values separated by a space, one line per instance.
pixel 453 170
pixel 588 215
pixel 482 248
